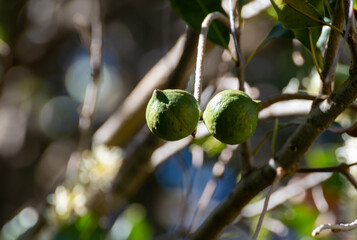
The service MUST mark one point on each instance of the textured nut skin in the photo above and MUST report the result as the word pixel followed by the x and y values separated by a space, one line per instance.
pixel 172 114
pixel 231 116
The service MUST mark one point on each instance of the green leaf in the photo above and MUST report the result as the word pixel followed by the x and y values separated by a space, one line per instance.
pixel 276 32
pixel 279 32
pixel 85 227
pixel 141 231
pixel 193 13
pixel 321 156
pixel 301 218
pixel 341 75
pixel 210 145
pixel 295 14
pixel 303 36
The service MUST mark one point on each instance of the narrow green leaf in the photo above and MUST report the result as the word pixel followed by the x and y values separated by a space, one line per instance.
pixel 275 133
pixel 193 13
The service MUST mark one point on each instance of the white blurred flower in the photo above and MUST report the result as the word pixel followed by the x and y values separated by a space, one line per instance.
pixel 65 201
pixel 100 166
pixel 61 201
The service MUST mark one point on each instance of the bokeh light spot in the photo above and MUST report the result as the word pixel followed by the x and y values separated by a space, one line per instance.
pixel 59 117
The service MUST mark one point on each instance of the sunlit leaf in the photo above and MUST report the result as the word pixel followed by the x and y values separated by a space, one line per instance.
pixel 301 218
pixel 295 14
pixel 351 131
pixel 141 231
pixel 210 145
pixel 321 156
pixel 194 12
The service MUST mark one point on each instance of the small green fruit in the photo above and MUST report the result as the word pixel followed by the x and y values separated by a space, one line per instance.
pixel 231 116
pixel 172 114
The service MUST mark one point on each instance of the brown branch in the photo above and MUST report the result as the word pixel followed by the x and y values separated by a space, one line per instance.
pixel 249 186
pixel 329 68
pixel 322 114
pixel 350 178
pixel 170 72
pixel 352 39
pixel 247 157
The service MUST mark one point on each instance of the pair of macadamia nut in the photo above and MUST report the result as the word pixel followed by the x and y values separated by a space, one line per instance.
pixel 231 116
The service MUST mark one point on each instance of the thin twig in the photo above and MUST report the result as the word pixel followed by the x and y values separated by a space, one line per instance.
pixel 343 168
pixel 292 96
pixel 218 171
pixel 201 50
pixel 296 187
pixel 90 99
pixel 197 152
pixel 279 175
pixel 285 97
pixel 313 53
pixel 341 227
pixel 350 178
pixel 247 158
pixel 338 168
pixel 236 40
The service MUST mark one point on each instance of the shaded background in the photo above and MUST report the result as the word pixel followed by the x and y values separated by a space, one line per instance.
pixel 44 70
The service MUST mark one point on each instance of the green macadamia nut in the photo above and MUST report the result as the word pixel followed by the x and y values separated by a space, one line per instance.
pixel 172 114
pixel 231 116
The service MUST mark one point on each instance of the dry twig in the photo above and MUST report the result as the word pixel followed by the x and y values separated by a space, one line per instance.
pixel 341 227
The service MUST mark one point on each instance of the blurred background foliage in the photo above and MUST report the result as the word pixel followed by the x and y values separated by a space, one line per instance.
pixel 44 71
